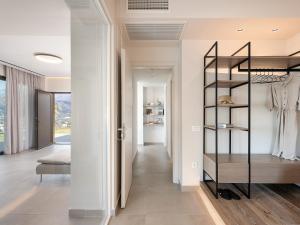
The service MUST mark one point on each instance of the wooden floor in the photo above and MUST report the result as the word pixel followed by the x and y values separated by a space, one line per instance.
pixel 270 205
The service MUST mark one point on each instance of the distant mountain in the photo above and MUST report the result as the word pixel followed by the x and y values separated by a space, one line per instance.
pixel 63 109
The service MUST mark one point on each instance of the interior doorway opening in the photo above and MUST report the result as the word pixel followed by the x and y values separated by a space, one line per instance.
pixel 149 159
pixel 62 118
pixel 152 108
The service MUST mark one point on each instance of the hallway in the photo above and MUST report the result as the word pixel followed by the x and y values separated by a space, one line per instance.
pixel 154 199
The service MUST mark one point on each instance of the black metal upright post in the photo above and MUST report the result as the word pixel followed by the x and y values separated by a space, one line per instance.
pixel 204 112
pixel 249 120
pixel 216 121
pixel 213 60
pixel 230 110
pixel 248 70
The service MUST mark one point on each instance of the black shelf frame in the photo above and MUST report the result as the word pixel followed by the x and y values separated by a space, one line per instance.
pixel 212 54
pixel 229 106
pixel 235 86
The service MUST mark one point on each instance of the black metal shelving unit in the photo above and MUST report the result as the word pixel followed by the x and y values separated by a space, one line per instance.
pixel 239 62
pixel 211 60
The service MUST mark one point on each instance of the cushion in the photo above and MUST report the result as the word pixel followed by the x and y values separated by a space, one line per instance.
pixel 58 158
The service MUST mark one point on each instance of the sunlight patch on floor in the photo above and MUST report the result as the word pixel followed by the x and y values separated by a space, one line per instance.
pixel 9 208
pixel 210 208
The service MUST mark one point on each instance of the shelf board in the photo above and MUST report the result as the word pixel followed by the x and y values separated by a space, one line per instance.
pixel 227 83
pixel 227 106
pixel 153 106
pixel 257 62
pixel 212 127
pixel 233 168
pixel 153 124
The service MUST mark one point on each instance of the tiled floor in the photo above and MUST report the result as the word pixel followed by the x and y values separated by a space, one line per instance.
pixel 154 199
pixel 26 201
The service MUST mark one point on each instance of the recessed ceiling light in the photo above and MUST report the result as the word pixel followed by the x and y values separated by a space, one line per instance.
pixel 48 58
pixel 240 30
pixel 275 29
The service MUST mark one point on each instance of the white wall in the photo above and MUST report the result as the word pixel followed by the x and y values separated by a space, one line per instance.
pixel 293 44
pixel 138 113
pixel 192 102
pixel 1 70
pixel 180 9
pixel 58 84
pixel 168 112
pixel 88 111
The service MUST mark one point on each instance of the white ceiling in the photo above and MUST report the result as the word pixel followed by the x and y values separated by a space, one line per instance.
pixel 254 29
pixel 35 26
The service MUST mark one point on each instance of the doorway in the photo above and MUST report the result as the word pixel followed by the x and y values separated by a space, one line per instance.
pixel 62 118
pixel 150 152
pixel 152 108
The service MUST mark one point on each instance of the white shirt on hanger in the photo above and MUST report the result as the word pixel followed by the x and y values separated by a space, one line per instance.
pixel 284 100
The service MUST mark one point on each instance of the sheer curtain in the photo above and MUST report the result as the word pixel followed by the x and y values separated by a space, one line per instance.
pixel 20 123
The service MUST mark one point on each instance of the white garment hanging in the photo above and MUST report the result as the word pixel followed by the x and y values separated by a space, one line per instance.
pixel 284 100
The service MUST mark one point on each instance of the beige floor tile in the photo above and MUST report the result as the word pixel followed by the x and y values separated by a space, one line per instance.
pixel 154 199
pixel 26 201
pixel 128 220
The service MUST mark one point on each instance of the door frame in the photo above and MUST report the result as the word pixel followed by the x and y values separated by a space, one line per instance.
pixel 109 70
pixel 175 123
pixel 58 92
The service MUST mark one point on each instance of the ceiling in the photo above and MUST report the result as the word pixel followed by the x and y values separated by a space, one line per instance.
pixel 214 29
pixel 253 29
pixel 34 26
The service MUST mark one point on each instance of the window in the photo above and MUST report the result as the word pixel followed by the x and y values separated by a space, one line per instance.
pixel 62 126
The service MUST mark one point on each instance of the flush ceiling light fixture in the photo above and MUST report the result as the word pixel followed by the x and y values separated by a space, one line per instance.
pixel 240 30
pixel 48 58
pixel 275 29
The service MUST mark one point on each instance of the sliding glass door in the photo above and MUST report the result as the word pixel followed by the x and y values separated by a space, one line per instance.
pixel 2 113
pixel 62 126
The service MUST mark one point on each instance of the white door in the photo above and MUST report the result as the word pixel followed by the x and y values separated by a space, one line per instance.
pixel 126 129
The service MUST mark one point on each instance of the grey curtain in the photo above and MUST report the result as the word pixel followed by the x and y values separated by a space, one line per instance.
pixel 20 109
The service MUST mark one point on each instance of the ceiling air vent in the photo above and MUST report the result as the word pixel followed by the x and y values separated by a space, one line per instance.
pixel 148 4
pixel 154 31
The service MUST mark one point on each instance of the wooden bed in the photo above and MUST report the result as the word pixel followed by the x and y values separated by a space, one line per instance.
pixel 264 169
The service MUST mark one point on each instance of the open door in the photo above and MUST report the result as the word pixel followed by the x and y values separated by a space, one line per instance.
pixel 126 129
pixel 45 116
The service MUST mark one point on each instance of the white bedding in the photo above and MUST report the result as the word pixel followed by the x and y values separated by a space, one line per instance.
pixel 58 158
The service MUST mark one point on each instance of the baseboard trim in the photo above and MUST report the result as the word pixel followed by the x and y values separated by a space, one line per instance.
pixel 114 212
pixel 188 188
pixel 153 143
pixel 85 213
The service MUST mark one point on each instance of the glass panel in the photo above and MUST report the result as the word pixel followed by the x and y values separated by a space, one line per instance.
pixel 62 132
pixel 2 114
